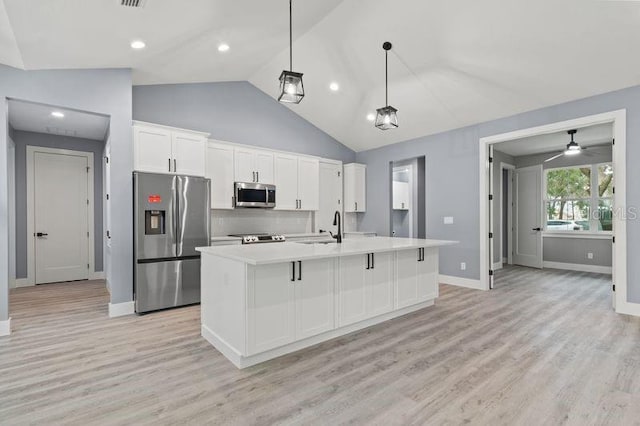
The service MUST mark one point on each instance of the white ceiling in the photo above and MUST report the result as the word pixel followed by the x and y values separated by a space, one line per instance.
pixel 454 63
pixel 33 117
pixel 587 136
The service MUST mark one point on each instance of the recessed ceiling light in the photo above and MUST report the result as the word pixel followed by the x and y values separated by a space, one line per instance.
pixel 371 116
pixel 57 114
pixel 138 44
pixel 334 86
pixel 223 47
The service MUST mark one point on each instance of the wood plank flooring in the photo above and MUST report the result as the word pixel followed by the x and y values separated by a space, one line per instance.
pixel 544 347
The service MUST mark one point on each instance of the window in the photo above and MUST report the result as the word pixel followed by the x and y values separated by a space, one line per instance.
pixel 579 198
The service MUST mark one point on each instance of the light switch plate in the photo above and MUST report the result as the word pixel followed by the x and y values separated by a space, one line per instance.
pixel 448 220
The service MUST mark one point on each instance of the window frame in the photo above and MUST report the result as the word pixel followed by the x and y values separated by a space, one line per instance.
pixel 594 199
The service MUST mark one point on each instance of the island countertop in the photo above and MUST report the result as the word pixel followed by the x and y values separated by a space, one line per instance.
pixel 269 253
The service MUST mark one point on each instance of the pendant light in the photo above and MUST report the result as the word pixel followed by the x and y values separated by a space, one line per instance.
pixel 387 117
pixel 291 88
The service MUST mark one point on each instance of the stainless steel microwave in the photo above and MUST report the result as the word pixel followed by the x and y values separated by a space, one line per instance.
pixel 256 195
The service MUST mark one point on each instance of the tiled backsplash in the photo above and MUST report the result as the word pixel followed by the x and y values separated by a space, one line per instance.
pixel 246 221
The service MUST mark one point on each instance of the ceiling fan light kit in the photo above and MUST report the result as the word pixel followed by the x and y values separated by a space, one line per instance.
pixel 291 86
pixel 387 117
pixel 573 148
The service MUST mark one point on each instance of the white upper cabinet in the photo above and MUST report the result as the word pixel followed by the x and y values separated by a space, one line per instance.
pixel 355 187
pixel 297 182
pixel 286 182
pixel 309 183
pixel 400 195
pixel 161 149
pixel 152 149
pixel 188 153
pixel 220 170
pixel 252 165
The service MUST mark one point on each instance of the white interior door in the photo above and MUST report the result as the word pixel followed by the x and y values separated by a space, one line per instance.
pixel 330 197
pixel 61 217
pixel 528 217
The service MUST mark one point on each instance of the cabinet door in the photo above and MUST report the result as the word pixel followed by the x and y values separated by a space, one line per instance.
pixel 271 307
pixel 264 167
pixel 314 297
pixel 407 278
pixel 152 149
pixel 219 169
pixel 428 287
pixel 286 182
pixel 189 153
pixel 245 165
pixel 360 189
pixel 309 183
pixel 352 289
pixel 380 284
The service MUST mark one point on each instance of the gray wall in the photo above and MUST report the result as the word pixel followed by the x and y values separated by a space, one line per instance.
pixel 235 112
pixel 498 234
pixel 100 91
pixel 24 139
pixel 452 179
pixel 574 250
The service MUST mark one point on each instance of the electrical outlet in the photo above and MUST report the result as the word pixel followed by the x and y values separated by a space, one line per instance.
pixel 463 266
pixel 589 255
pixel 448 220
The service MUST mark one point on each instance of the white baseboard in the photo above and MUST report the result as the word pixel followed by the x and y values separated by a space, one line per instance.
pixel 505 260
pixel 629 308
pixel 121 309
pixel 97 275
pixel 577 267
pixel 22 282
pixel 5 327
pixel 496 266
pixel 461 282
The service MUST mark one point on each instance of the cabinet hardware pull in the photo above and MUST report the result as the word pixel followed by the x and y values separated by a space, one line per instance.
pixel 175 168
pixel 299 270
pixel 293 271
pixel 368 261
pixel 356 206
pixel 300 204
pixel 373 261
pixel 169 164
pixel 257 176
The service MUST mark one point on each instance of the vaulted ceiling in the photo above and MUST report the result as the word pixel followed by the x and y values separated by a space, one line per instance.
pixel 454 63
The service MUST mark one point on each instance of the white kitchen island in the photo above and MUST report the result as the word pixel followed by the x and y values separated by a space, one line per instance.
pixel 265 300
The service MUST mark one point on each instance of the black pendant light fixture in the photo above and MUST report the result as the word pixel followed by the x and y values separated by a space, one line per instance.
pixel 387 117
pixel 291 88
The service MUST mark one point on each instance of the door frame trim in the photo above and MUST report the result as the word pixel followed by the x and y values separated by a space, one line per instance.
pixel 30 168
pixel 509 168
pixel 618 118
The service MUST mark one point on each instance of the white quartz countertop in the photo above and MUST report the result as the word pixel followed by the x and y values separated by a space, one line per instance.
pixel 262 254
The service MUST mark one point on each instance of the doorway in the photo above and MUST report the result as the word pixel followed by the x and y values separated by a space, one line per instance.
pixel 596 216
pixel 59 190
pixel 408 193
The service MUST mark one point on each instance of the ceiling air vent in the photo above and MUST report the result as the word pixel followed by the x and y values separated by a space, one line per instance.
pixel 132 3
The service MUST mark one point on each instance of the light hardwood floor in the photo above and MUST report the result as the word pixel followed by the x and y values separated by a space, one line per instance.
pixel 545 347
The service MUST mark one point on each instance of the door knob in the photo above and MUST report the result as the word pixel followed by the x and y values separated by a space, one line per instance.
pixel 41 234
pixel 537 229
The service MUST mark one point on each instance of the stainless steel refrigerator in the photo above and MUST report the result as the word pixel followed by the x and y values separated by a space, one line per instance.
pixel 171 218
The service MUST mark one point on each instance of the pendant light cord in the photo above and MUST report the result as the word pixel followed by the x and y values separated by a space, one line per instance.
pixel 290 36
pixel 386 77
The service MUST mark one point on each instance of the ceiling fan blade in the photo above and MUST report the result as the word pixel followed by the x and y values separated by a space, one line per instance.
pixel 554 157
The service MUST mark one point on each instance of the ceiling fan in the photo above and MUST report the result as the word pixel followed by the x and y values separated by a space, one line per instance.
pixel 573 148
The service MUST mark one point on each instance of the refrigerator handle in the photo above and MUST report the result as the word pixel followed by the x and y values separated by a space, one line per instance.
pixel 176 213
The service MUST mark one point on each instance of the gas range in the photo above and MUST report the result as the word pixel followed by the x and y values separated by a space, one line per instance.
pixel 260 238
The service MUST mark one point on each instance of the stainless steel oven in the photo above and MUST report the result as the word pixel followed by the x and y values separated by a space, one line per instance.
pixel 256 195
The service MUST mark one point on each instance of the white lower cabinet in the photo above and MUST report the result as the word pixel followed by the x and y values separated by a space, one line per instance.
pixel 288 302
pixel 416 280
pixel 271 307
pixel 365 287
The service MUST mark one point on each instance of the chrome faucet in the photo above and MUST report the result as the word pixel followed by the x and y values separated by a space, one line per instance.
pixel 337 221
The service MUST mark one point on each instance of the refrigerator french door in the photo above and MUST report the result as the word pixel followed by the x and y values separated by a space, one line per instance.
pixel 171 219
